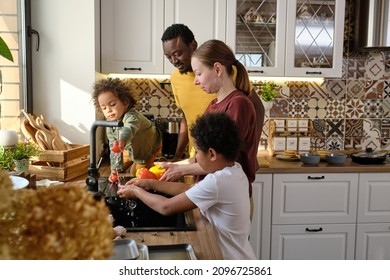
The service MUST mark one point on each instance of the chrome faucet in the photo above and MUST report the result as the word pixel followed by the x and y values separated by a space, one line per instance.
pixel 93 170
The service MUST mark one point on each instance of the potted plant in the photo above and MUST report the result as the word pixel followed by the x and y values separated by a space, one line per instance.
pixel 269 91
pixel 6 160
pixel 21 154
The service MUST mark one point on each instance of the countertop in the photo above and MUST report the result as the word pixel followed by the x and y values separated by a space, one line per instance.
pixel 271 165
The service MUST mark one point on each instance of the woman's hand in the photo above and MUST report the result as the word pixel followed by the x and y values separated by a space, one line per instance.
pixel 173 172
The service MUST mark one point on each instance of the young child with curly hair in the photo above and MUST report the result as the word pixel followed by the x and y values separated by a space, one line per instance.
pixel 139 136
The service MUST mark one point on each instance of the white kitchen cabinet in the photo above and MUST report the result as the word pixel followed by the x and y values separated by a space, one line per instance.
pixel 314 216
pixel 205 18
pixel 313 242
pixel 131 31
pixel 314 198
pixel 373 228
pixel 130 36
pixel 260 237
pixel 287 38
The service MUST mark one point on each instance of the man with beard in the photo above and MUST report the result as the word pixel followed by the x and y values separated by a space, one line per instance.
pixel 179 43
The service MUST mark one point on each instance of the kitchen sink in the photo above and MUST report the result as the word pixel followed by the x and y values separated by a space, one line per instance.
pixel 134 215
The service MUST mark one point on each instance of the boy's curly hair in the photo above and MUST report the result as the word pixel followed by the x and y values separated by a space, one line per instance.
pixel 219 132
pixel 120 88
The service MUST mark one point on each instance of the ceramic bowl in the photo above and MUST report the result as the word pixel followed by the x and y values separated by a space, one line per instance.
pixel 309 158
pixel 336 159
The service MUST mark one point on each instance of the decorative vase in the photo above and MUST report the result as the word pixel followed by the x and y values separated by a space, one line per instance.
pixel 21 165
pixel 267 105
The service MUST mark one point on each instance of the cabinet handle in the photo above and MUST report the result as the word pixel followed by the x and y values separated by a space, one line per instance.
pixel 255 71
pixel 313 72
pixel 315 178
pixel 132 68
pixel 314 229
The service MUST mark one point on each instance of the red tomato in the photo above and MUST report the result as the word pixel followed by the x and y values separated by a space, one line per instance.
pixel 113 178
pixel 115 148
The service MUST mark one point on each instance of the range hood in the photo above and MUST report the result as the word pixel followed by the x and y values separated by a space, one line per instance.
pixel 372 25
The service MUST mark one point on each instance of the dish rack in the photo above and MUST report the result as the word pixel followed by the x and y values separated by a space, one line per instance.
pixel 289 134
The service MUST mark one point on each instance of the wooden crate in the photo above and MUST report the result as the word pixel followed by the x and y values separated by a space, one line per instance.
pixel 62 165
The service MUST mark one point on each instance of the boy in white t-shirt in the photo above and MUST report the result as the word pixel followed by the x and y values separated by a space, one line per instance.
pixel 226 206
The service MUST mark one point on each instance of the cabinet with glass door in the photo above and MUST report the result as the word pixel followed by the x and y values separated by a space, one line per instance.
pixel 287 38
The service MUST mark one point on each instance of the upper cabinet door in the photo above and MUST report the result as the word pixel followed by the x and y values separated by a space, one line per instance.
pixel 130 36
pixel 314 38
pixel 256 32
pixel 205 18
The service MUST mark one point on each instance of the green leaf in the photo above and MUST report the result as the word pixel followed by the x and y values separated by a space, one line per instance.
pixel 4 50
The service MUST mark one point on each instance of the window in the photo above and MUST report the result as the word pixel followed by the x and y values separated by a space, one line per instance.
pixel 13 75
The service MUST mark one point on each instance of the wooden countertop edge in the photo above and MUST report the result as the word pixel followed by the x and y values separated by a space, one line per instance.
pixel 276 166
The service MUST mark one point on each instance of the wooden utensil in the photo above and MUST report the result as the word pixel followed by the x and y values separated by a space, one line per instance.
pixel 47 134
pixel 57 141
pixel 41 141
pixel 28 131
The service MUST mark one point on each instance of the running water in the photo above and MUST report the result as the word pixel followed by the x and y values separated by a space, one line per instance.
pixel 131 204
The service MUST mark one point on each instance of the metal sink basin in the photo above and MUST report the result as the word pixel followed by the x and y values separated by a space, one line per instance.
pixel 134 215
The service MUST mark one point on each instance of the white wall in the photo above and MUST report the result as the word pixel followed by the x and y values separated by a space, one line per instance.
pixel 64 67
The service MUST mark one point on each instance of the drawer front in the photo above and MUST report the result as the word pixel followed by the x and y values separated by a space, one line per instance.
pixel 373 241
pixel 374 197
pixel 314 198
pixel 313 242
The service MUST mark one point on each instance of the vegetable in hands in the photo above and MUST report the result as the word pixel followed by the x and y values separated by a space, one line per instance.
pixel 144 173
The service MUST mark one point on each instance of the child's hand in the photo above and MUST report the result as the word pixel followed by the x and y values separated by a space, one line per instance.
pixel 126 191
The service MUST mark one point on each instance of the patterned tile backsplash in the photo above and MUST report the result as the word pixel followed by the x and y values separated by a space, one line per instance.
pixel 346 114
pixel 352 112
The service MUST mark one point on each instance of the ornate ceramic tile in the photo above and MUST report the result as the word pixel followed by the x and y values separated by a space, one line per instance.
pixel 385 128
pixel 386 108
pixel 299 89
pixel 140 87
pixel 354 109
pixel 319 126
pixel 386 89
pixel 356 68
pixel 353 128
pixel 353 143
pixel 317 143
pixel 280 108
pixel 385 144
pixel 335 109
pixel 318 90
pixel 372 128
pixel 355 89
pixel 375 68
pixel 373 143
pixel 316 108
pixel 335 127
pixel 373 89
pixel 297 108
pixel 373 108
pixel 337 89
pixel 334 143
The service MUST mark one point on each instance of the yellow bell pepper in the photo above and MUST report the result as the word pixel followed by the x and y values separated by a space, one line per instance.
pixel 157 170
